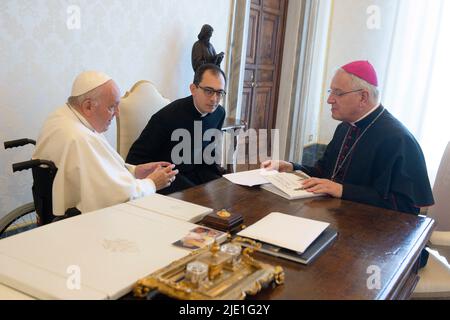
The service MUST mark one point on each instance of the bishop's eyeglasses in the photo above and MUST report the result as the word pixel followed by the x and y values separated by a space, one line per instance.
pixel 338 93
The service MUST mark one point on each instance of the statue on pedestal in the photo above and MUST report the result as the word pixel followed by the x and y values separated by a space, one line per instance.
pixel 203 51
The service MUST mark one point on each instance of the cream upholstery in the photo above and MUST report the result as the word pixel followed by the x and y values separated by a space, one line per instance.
pixel 136 109
pixel 435 277
pixel 434 280
pixel 441 210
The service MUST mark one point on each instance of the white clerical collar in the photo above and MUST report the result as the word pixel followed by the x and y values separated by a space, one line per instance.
pixel 81 118
pixel 366 115
pixel 201 114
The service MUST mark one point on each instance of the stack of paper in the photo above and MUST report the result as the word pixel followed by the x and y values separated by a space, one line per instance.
pixel 171 207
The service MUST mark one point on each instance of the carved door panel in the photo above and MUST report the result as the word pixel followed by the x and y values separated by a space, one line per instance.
pixel 263 63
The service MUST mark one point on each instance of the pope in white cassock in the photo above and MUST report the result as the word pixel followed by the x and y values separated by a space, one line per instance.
pixel 91 174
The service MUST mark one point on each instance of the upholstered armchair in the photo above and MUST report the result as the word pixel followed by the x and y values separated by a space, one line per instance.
pixel 434 280
pixel 136 109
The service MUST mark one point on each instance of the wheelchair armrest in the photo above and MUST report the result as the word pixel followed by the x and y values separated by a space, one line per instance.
pixel 30 164
pixel 18 143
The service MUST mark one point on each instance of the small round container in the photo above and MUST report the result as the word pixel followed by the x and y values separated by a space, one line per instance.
pixel 196 271
pixel 233 250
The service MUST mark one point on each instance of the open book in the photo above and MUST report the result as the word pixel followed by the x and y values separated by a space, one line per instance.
pixel 288 185
pixel 97 255
pixel 291 237
pixel 120 244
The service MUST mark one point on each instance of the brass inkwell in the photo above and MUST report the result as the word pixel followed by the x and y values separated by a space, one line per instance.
pixel 212 273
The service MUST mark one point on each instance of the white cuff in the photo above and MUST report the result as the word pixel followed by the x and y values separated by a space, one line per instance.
pixel 148 186
pixel 131 168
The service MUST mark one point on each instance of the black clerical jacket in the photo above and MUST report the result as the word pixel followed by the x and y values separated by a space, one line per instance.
pixel 386 168
pixel 155 143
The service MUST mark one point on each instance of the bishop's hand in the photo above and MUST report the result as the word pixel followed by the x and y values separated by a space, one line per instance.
pixel 316 185
pixel 278 165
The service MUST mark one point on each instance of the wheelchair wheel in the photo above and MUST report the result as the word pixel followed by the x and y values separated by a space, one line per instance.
pixel 20 219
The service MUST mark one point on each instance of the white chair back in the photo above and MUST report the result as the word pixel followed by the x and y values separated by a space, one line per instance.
pixel 136 109
pixel 434 280
pixel 441 193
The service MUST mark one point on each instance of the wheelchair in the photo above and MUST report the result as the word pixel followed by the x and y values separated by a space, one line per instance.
pixel 40 211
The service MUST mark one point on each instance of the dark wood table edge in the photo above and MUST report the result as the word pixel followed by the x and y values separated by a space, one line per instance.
pixel 402 283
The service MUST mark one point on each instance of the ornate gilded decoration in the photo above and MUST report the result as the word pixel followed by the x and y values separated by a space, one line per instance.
pixel 213 273
pixel 223 213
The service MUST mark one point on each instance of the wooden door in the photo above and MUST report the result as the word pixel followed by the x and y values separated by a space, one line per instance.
pixel 263 63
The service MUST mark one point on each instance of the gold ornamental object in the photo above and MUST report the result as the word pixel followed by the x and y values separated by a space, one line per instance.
pixel 212 273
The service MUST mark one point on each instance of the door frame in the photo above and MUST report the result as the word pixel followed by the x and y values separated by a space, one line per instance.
pixel 289 71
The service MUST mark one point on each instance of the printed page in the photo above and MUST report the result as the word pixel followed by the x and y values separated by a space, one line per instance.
pixel 289 183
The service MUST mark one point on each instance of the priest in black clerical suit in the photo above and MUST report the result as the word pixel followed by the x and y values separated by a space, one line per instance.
pixel 193 115
pixel 372 158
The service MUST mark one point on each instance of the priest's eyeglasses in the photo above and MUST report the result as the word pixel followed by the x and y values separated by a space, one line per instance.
pixel 209 92
pixel 338 93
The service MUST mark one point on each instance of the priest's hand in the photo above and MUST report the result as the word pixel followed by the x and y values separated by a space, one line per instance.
pixel 316 185
pixel 143 170
pixel 163 177
pixel 279 165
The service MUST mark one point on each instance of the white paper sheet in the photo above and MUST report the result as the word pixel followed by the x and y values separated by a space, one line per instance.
pixel 250 178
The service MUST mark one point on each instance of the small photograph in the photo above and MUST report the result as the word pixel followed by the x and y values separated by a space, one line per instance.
pixel 206 232
pixel 197 238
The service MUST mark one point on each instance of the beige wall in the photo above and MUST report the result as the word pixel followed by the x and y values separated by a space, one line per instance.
pixel 128 39
pixel 350 39
pixel 342 32
pixel 287 76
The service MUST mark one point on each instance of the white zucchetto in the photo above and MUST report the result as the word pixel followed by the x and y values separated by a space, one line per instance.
pixel 87 81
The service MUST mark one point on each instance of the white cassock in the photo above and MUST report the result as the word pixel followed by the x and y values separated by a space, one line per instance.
pixel 91 174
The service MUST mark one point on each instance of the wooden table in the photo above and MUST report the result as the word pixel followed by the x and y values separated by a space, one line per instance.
pixel 368 236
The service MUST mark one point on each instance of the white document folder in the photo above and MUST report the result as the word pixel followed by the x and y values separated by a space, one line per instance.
pixel 172 207
pixel 111 248
pixel 286 231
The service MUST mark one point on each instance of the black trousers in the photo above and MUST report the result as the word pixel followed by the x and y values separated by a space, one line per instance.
pixel 423 258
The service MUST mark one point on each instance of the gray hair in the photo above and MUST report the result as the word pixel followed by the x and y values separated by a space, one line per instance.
pixel 76 101
pixel 358 83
